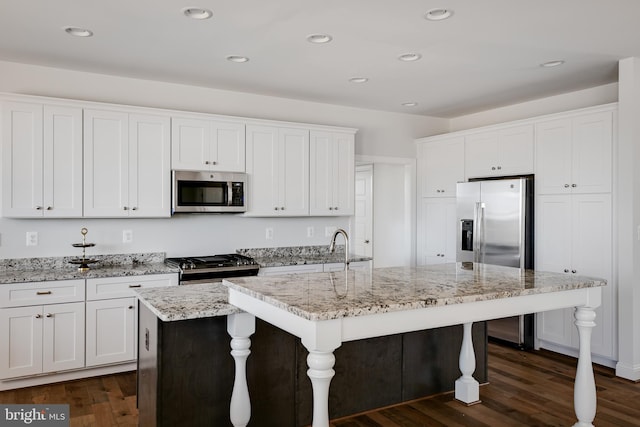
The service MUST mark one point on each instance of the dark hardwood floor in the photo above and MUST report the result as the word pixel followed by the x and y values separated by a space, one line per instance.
pixel 525 389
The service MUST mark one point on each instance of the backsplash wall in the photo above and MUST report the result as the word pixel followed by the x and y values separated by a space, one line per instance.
pixel 191 234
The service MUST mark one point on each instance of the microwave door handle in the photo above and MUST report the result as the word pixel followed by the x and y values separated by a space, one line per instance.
pixel 229 193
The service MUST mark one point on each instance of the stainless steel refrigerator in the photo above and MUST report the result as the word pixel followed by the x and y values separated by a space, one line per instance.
pixel 495 226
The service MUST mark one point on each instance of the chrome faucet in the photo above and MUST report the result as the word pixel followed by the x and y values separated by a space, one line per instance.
pixel 332 246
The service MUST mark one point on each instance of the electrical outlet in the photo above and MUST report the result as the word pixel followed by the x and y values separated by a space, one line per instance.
pixel 269 233
pixel 32 238
pixel 328 231
pixel 310 231
pixel 127 236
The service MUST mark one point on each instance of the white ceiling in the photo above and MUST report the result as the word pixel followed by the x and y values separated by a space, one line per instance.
pixel 485 56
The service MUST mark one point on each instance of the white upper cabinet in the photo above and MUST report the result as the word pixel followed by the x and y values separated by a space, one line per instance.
pixel 502 152
pixel 126 164
pixel 332 173
pixel 441 166
pixel 42 160
pixel 200 144
pixel 278 171
pixel 574 155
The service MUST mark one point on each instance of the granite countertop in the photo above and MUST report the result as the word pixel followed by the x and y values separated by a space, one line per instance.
pixel 58 268
pixel 187 301
pixel 298 255
pixel 324 296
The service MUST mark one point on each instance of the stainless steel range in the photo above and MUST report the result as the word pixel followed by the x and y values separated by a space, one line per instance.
pixel 214 268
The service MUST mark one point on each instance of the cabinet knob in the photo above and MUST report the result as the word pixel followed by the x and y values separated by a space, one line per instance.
pixel 135 208
pixel 38 208
pixel 442 191
pixel 38 316
pixel 566 270
pixel 282 208
pixel 574 185
pixel 214 163
pixel 130 307
pixel 437 191
pixel 330 208
pixel 499 167
pixel 335 208
pixel 49 315
pixel 124 208
pixel 366 241
pixel 276 208
pixel 574 271
pixel 49 208
pixel 493 168
pixel 566 186
pixel 206 162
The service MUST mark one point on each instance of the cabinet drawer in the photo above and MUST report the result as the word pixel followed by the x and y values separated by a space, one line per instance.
pixel 121 287
pixel 37 293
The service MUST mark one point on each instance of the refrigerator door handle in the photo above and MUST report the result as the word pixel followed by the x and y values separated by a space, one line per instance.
pixel 478 231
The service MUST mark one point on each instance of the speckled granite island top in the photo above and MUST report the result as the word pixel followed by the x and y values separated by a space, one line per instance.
pixel 187 302
pixel 22 270
pixel 324 296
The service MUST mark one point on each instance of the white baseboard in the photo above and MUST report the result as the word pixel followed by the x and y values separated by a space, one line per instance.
pixel 629 372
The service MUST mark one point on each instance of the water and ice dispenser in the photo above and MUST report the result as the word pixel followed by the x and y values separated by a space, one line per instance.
pixel 466 243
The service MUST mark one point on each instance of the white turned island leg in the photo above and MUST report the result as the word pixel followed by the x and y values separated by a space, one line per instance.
pixel 320 373
pixel 467 388
pixel 584 392
pixel 240 327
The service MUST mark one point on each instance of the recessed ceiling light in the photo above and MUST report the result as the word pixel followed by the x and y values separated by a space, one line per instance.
pixel 237 58
pixel 358 79
pixel 409 104
pixel 409 57
pixel 197 13
pixel 438 14
pixel 319 38
pixel 78 32
pixel 551 64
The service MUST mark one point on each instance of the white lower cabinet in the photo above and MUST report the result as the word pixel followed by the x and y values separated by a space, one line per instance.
pixel 41 339
pixel 574 236
pixel 111 336
pixel 112 331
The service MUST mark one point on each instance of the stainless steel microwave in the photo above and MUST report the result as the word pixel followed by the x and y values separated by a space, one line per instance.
pixel 200 191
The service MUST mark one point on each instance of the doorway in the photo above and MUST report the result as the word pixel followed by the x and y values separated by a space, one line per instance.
pixel 363 238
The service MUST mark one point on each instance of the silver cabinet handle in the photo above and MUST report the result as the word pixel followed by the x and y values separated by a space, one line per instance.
pixel 206 162
pixel 574 185
pixel 330 208
pixel 366 241
pixel 130 307
pixel 38 208
pixel 276 208
pixel 38 316
pixel 574 271
pixel 49 208
pixel 214 163
pixel 135 286
pixel 49 315
pixel 43 293
pixel 335 208
pixel 566 270
pixel 282 208
pixel 442 191
pixel 124 208
pixel 566 186
pixel 493 168
pixel 135 208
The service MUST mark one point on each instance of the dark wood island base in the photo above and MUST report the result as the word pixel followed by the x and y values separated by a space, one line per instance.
pixel 186 372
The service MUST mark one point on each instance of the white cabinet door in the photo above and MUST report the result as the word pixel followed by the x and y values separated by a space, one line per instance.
pixel 573 155
pixel 574 236
pixel 228 149
pixel 332 174
pixel 106 167
pixel 293 172
pixel 40 339
pixel 63 337
pixel 126 165
pixel 437 238
pixel 110 331
pixel 42 160
pixel 278 171
pixel 501 152
pixel 149 193
pixel 441 166
pixel 201 144
pixel 20 341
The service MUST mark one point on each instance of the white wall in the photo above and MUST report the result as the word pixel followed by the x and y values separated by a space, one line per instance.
pixel 380 134
pixel 553 104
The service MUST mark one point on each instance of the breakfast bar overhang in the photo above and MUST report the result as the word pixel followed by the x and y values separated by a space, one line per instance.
pixel 326 309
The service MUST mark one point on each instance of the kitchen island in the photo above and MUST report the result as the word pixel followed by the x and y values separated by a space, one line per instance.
pixel 326 310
